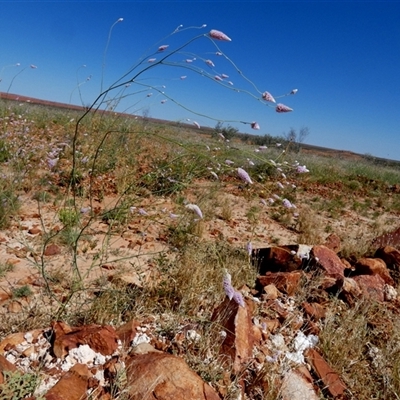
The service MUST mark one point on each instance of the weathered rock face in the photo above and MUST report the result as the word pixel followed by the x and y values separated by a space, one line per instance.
pixel 286 282
pixel 161 376
pixel 237 324
pixel 373 266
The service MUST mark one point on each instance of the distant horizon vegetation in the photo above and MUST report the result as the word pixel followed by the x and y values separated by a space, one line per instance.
pixel 253 138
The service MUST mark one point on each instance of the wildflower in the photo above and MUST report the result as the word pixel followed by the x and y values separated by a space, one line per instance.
pixel 214 174
pixel 163 101
pixel 278 144
pixel 183 77
pixel 149 94
pixel 263 202
pixel 250 163
pixel 301 169
pixel 33 66
pixel 52 162
pixel 238 298
pixel 249 248
pixel 257 150
pixel 141 211
pixel 132 209
pixel 85 210
pixel 229 162
pixel 173 216
pixel 163 47
pixel 244 175
pixel 221 135
pixel 196 124
pixel 217 78
pixel 254 125
pixel 281 108
pixel 294 91
pixel 231 83
pixel 227 285
pixel 283 175
pixel 280 186
pixel 224 76
pixel 287 204
pixel 190 60
pixel 263 147
pixel 218 53
pixel 268 97
pixel 271 201
pixel 218 35
pixel 195 208
pixel 120 19
pixel 210 63
pixel 151 60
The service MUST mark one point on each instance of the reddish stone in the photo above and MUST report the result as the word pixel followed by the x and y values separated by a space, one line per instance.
pixel 314 310
pixel 237 323
pixel 286 282
pixel 52 250
pixel 390 256
pixel 350 291
pixel 373 266
pixel 127 332
pixel 163 376
pixel 388 239
pixel 276 259
pixel 327 260
pixel 101 339
pixel 372 286
pixel 333 242
pixel 329 377
pixel 72 385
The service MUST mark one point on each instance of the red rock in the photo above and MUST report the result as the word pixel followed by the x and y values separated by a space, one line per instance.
pixel 388 239
pixel 52 250
pixel 236 322
pixel 101 339
pixel 314 310
pixel 333 242
pixel 10 341
pixel 276 259
pixel 350 291
pixel 390 256
pixel 286 282
pixel 373 266
pixel 127 332
pixel 72 385
pixel 327 260
pixel 270 292
pixel 329 377
pixel 372 286
pixel 163 376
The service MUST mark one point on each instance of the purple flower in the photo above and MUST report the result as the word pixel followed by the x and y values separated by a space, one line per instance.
pixel 142 212
pixel 244 175
pixel 33 66
pixel 217 78
pixel 183 77
pixel 249 248
pixel 163 47
pixel 196 124
pixel 281 108
pixel 238 298
pixel 228 288
pixel 151 60
pixel 229 162
pixel 218 35
pixel 280 186
pixel 52 162
pixel 224 76
pixel 210 63
pixel 294 91
pixel 195 208
pixel 301 169
pixel 268 97
pixel 287 204
pixel 254 125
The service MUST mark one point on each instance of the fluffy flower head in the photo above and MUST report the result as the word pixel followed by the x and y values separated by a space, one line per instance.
pixel 218 35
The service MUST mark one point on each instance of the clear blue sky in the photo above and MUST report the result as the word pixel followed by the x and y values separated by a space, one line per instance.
pixel 343 57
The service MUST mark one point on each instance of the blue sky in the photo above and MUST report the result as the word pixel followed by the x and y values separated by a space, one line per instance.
pixel 343 57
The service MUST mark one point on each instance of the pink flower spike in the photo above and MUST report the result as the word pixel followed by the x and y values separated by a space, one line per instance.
pixel 217 78
pixel 33 66
pixel 255 126
pixel 210 63
pixel 281 108
pixel 244 175
pixel 301 169
pixel 249 248
pixel 195 208
pixel 196 124
pixel 294 91
pixel 163 101
pixel 183 77
pixel 268 97
pixel 149 95
pixel 151 60
pixel 224 76
pixel 163 47
pixel 238 298
pixel 218 53
pixel 218 35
